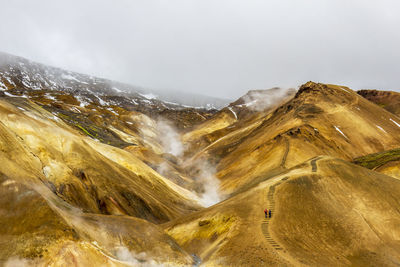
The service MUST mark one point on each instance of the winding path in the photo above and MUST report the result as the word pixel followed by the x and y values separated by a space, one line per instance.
pixel 283 162
pixel 265 224
pixel 270 203
pixel 314 166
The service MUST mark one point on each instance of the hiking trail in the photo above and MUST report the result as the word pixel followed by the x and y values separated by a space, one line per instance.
pixel 314 167
pixel 283 162
pixel 266 221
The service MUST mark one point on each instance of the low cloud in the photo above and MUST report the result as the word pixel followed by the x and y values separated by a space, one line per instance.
pixel 221 48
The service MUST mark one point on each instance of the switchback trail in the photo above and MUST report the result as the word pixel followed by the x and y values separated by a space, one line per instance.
pixel 281 253
pixel 283 162
pixel 266 221
pixel 314 167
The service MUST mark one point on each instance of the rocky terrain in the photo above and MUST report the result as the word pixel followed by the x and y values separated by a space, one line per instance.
pixel 94 173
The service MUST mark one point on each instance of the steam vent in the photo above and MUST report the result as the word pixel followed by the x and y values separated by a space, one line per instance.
pixel 199 133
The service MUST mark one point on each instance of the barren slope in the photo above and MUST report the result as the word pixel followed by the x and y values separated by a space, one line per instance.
pixel 60 182
pixel 325 212
pixel 320 120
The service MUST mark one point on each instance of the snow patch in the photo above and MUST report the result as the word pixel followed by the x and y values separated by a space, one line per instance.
pixel 171 103
pixel 233 112
pixel 10 81
pixel 55 117
pixel 344 89
pixel 209 107
pixel 380 128
pixel 8 94
pixel 69 77
pixel 149 96
pixel 112 111
pixel 337 129
pixel 116 89
pixel 3 87
pixel 101 101
pixel 26 84
pixel 50 97
pixel 83 102
pixel 398 125
pixel 75 109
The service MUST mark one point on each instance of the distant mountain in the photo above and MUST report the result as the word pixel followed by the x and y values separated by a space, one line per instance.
pixel 17 72
pixel 49 85
pixel 389 100
pixel 190 99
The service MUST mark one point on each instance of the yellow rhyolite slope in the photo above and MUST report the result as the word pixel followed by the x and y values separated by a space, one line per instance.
pixel 60 182
pixel 104 191
pixel 320 120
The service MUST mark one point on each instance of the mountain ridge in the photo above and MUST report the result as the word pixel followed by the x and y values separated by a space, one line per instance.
pixel 34 75
pixel 106 183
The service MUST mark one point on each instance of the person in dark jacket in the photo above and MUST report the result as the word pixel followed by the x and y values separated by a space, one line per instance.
pixel 266 213
pixel 270 213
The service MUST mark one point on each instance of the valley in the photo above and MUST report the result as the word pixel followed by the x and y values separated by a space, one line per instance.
pixel 94 173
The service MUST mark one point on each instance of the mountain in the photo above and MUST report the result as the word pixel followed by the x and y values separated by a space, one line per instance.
pixel 389 100
pixel 190 99
pixel 325 211
pixel 90 176
pixel 22 77
pixel 63 181
pixel 319 120
pixel 23 73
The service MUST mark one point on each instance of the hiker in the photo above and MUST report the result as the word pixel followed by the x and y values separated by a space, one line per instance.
pixel 266 213
pixel 270 213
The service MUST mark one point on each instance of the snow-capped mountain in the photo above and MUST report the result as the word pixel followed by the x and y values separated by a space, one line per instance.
pixel 54 87
pixel 19 74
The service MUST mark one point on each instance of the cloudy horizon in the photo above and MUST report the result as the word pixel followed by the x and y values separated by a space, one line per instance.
pixel 218 48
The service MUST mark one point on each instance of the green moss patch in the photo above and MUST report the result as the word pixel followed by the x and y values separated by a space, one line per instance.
pixel 376 160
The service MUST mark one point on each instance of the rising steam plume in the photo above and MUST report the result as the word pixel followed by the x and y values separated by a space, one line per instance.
pixel 170 140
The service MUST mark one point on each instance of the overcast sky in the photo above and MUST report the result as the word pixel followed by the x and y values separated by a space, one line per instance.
pixel 215 47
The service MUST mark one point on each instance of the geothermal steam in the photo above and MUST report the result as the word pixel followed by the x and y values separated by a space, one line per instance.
pixel 170 140
pixel 259 100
